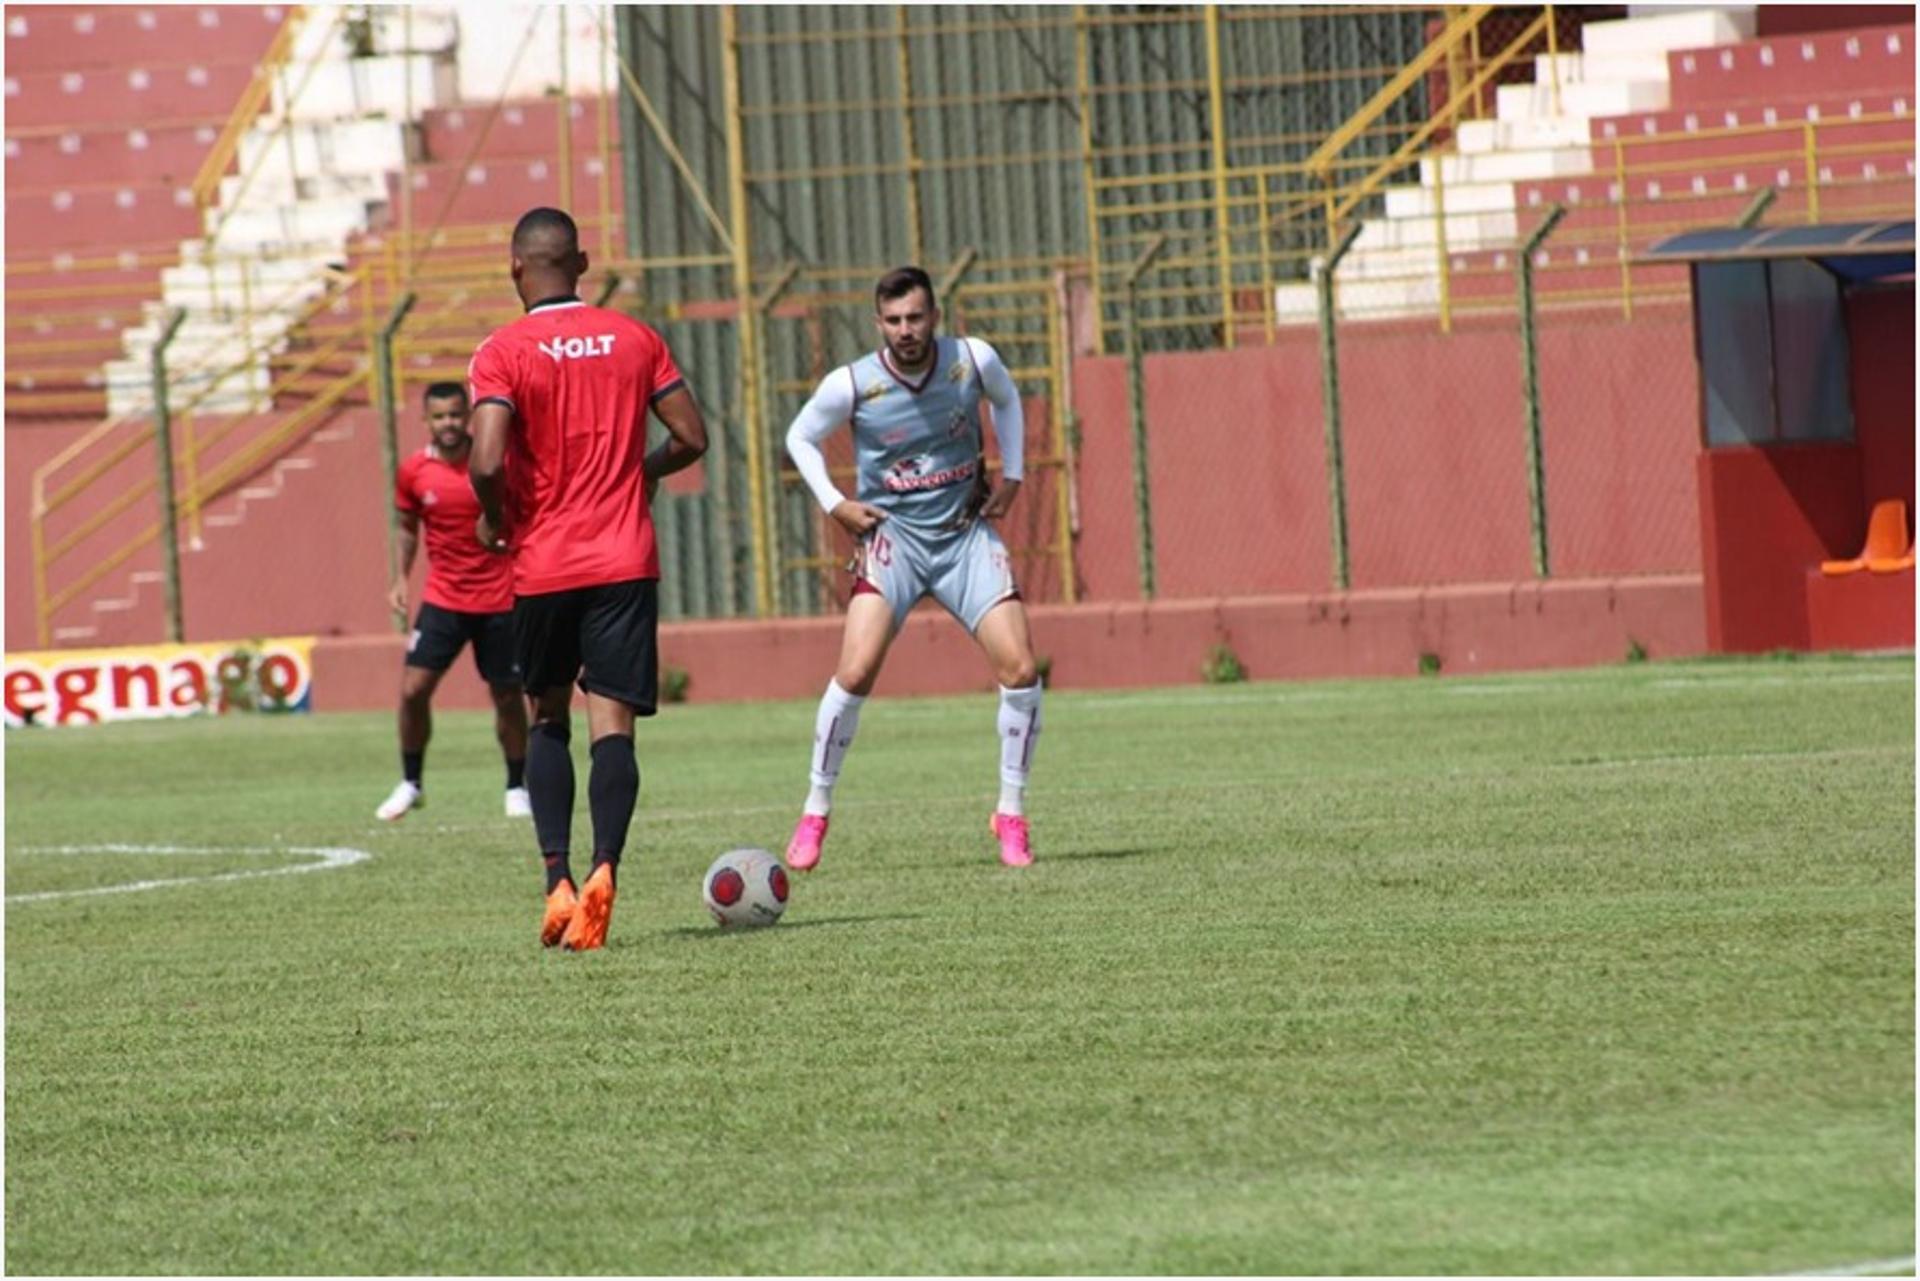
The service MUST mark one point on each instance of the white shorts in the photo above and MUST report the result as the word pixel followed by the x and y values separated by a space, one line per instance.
pixel 966 570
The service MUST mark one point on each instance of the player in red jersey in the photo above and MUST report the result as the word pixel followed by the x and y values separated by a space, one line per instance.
pixel 468 599
pixel 565 484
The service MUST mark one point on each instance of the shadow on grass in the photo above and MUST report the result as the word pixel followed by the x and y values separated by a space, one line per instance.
pixel 1074 856
pixel 716 932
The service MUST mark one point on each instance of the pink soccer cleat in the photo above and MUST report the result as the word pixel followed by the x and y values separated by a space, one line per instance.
pixel 1012 831
pixel 803 851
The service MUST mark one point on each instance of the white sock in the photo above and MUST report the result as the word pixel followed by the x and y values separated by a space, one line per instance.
pixel 1019 728
pixel 833 730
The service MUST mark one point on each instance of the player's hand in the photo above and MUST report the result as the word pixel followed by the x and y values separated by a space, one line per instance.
pixel 1001 499
pixel 397 596
pixel 494 540
pixel 857 519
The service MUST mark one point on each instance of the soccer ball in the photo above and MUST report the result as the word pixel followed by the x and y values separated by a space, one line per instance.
pixel 745 887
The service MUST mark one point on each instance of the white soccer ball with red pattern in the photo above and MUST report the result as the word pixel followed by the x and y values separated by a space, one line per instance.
pixel 745 887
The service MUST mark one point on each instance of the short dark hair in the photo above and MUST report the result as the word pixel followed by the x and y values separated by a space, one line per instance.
pixel 554 226
pixel 900 282
pixel 445 391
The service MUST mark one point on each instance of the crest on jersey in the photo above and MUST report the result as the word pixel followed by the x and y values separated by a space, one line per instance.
pixel 429 498
pixel 874 391
pixel 958 373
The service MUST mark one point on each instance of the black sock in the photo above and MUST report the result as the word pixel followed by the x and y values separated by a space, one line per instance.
pixel 411 763
pixel 516 773
pixel 612 788
pixel 557 869
pixel 550 786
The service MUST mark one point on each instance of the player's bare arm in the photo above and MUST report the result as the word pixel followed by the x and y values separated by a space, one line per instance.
pixel 686 437
pixel 486 468
pixel 409 548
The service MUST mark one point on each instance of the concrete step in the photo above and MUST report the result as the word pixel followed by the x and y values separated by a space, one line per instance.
pixel 1464 231
pixel 1506 166
pixel 1473 197
pixel 284 187
pixel 357 87
pixel 1533 133
pixel 1600 68
pixel 316 225
pixel 1678 29
pixel 370 146
pixel 1608 98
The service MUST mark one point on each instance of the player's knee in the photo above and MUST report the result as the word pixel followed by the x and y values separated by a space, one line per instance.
pixel 1018 673
pixel 858 681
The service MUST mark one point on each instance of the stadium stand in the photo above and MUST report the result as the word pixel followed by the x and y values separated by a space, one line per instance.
pixel 110 113
pixel 1660 122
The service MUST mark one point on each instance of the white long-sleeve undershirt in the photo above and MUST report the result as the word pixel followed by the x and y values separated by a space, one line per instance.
pixel 831 407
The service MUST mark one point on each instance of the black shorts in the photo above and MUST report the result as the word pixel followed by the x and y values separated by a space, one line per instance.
pixel 439 633
pixel 602 635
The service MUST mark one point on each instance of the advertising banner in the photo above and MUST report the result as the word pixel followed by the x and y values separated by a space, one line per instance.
pixel 91 686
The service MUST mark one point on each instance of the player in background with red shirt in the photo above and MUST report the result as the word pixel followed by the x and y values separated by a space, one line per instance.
pixel 467 599
pixel 565 483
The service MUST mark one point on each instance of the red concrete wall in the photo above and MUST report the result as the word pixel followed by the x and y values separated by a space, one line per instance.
pixel 1793 19
pixel 1435 459
pixel 1620 422
pixel 1860 611
pixel 1766 516
pixel 1491 627
pixel 1238 467
pixel 1880 337
pixel 29 445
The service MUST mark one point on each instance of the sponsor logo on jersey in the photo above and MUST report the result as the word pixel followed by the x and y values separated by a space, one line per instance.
pixel 874 391
pixel 911 475
pixel 578 348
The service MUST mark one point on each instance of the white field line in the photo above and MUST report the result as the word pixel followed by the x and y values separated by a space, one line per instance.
pixel 1478 688
pixel 1878 1268
pixel 1731 681
pixel 328 857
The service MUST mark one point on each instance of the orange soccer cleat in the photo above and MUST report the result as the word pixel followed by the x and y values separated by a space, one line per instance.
pixel 561 902
pixel 588 928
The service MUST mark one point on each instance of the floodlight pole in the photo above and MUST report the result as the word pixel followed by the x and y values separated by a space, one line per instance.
pixel 163 449
pixel 390 432
pixel 1530 392
pixel 1137 410
pixel 1330 408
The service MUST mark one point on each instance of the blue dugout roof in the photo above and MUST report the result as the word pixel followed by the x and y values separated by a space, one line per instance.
pixel 1857 252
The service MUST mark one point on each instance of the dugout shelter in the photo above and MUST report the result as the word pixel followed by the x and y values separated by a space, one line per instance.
pixel 1805 340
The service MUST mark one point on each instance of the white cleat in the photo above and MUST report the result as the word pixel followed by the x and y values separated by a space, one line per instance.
pixel 519 803
pixel 406 796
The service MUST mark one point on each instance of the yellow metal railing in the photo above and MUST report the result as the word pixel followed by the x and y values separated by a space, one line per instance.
pixel 206 183
pixel 100 452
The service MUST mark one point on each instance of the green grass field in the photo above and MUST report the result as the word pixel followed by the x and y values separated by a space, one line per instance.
pixel 1598 972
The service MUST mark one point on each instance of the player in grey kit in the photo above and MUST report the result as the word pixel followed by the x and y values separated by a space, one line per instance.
pixel 923 529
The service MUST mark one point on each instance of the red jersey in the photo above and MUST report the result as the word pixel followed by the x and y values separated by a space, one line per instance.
pixel 461 574
pixel 580 381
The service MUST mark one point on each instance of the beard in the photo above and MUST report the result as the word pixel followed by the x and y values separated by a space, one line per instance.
pixel 918 353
